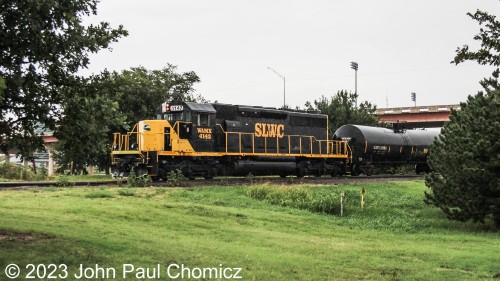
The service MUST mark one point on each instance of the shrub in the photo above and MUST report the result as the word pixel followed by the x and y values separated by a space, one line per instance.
pixel 175 176
pixel 63 181
pixel 320 201
pixel 138 181
pixel 41 173
pixel 15 172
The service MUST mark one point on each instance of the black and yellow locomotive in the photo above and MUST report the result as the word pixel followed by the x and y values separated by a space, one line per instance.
pixel 207 140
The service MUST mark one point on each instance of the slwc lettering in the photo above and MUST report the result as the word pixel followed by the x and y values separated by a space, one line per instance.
pixel 269 130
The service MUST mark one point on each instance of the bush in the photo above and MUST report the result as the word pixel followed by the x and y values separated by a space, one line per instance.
pixel 15 172
pixel 138 181
pixel 320 201
pixel 63 181
pixel 41 173
pixel 175 176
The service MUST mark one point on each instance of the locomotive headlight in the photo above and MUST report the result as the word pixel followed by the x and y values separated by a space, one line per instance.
pixel 146 127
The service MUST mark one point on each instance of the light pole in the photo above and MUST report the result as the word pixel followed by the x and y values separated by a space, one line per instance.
pixel 284 84
pixel 354 65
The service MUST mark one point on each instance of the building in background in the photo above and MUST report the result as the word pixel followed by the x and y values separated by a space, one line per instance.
pixel 431 116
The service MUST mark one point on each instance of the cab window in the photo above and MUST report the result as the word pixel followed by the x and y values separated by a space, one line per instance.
pixel 203 120
pixel 178 116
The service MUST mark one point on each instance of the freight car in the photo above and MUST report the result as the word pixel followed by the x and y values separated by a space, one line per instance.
pixel 207 140
pixel 374 146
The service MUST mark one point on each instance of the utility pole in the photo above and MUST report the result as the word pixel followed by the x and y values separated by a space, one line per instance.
pixel 354 65
pixel 284 84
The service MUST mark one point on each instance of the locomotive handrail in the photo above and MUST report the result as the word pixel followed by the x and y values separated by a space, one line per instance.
pixel 121 142
pixel 341 147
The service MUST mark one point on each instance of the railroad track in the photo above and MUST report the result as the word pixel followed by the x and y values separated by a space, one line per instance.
pixel 220 181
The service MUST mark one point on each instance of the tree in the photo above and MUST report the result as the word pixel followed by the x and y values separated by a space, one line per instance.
pixel 89 115
pixel 341 110
pixel 465 159
pixel 140 92
pixel 43 44
pixel 114 102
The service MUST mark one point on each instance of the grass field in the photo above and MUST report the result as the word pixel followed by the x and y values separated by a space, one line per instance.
pixel 396 236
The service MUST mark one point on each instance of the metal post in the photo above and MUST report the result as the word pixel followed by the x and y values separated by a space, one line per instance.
pixel 284 84
pixel 284 104
pixel 362 199
pixel 341 203
pixel 354 65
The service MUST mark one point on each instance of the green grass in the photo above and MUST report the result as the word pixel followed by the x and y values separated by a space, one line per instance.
pixel 395 237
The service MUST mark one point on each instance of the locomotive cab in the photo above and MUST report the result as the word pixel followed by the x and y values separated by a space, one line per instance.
pixel 193 124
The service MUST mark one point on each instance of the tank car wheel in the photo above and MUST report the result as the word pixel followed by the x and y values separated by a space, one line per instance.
pixel 368 170
pixel 421 168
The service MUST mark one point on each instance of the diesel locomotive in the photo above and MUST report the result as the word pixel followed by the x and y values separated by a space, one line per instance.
pixel 374 146
pixel 207 140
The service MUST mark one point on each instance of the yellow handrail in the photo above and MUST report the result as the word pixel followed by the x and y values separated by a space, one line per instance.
pixel 339 149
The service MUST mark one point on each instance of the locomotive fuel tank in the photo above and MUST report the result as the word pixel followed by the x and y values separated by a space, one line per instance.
pixel 381 146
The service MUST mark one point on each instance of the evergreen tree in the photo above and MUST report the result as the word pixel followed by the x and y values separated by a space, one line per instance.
pixel 465 159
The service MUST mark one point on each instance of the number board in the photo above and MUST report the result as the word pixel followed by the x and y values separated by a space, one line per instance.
pixel 174 108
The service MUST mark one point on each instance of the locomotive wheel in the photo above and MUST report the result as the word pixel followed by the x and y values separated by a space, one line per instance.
pixel 355 170
pixel 140 171
pixel 300 172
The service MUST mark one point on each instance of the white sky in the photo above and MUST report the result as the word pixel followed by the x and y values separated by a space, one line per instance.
pixel 400 46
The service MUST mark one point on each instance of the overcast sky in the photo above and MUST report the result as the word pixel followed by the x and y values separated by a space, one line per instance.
pixel 400 46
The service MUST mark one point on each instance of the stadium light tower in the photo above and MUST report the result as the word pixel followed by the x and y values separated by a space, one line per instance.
pixel 354 65
pixel 284 84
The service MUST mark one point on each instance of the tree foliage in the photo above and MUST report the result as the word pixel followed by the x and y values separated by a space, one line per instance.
pixel 341 110
pixel 113 102
pixel 89 115
pixel 43 44
pixel 465 159
pixel 140 92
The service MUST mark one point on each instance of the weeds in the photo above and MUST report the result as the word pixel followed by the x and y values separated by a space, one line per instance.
pixel 138 181
pixel 324 201
pixel 63 181
pixel 126 192
pixel 15 172
pixel 99 194
pixel 175 177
